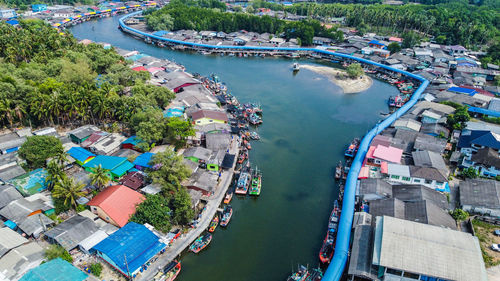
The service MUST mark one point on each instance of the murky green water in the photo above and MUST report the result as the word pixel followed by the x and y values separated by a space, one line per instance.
pixel 308 121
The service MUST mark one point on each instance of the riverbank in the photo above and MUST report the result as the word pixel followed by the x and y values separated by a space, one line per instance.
pixel 348 85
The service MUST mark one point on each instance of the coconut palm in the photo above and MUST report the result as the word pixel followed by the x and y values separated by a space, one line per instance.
pixel 61 158
pixel 55 173
pixel 68 190
pixel 99 177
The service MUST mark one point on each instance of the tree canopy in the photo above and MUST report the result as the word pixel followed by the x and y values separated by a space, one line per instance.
pixel 155 211
pixel 354 70
pixel 168 171
pixel 37 149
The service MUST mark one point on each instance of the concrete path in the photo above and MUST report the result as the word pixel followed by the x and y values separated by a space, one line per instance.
pixel 185 240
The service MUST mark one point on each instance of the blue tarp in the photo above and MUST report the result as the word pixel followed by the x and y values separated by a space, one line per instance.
pixel 133 241
pixel 10 224
pixel 174 112
pixel 12 22
pixel 161 32
pixel 55 270
pixel 461 90
pixel 484 111
pixel 144 159
pixel 136 57
pixel 132 140
pixel 80 154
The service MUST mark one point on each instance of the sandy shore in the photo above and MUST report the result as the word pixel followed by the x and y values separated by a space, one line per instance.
pixel 348 85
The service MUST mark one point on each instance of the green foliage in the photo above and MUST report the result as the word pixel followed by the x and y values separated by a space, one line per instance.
pixel 56 251
pixel 149 124
pixel 394 47
pixel 459 215
pixel 155 211
pixel 168 171
pixel 37 149
pixel 99 177
pixel 410 39
pixel 96 269
pixel 178 130
pixel 470 173
pixel 458 119
pixel 69 191
pixel 354 70
pixel 60 206
pixel 183 213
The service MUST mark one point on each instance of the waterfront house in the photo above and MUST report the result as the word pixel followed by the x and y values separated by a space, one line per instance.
pixel 19 260
pixel 71 232
pixel 379 154
pixel 480 196
pixel 407 124
pixel 130 249
pixel 429 177
pixel 429 116
pixel 116 166
pixel 373 189
pixel 197 154
pixel 64 13
pixel 80 134
pixel 203 117
pixel 397 249
pixel 56 269
pixel 376 44
pixel 116 204
pixel 81 155
pixel 218 141
pixel 427 142
pixel 203 181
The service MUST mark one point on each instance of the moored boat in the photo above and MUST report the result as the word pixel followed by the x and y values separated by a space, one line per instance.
pixel 226 215
pixel 256 183
pixel 326 252
pixel 301 275
pixel 353 148
pixel 243 180
pixel 228 197
pixel 295 67
pixel 315 275
pixel 200 243
pixel 214 224
pixel 338 170
pixel 169 272
pixel 254 135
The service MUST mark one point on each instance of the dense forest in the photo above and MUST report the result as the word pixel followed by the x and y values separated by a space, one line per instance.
pixel 180 15
pixel 451 23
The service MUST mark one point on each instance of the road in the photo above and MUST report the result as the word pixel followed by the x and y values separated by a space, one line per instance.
pixel 186 239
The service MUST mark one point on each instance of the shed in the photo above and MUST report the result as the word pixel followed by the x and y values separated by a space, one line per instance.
pixel 480 196
pixel 80 134
pixel 71 232
pixel 407 124
pixel 133 180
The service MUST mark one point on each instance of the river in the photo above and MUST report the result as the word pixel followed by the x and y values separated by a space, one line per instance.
pixel 308 122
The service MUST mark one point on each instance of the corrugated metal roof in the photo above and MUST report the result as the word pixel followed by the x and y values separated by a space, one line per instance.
pixel 55 270
pixel 144 159
pixel 9 239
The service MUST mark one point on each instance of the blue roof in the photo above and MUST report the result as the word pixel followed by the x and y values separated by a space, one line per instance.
pixel 463 90
pixel 132 140
pixel 375 42
pixel 161 32
pixel 12 22
pixel 10 224
pixel 133 241
pixel 484 111
pixel 107 162
pixel 55 270
pixel 483 138
pixel 144 159
pixel 122 169
pixel 80 154
pixel 136 57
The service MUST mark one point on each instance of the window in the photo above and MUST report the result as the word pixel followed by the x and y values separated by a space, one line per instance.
pixel 394 272
pixel 439 183
pixel 211 120
pixel 411 275
pixel 406 178
pixel 395 177
pixel 417 180
pixel 428 181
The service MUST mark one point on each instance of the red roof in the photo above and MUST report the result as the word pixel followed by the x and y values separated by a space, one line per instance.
pixel 118 202
pixel 139 68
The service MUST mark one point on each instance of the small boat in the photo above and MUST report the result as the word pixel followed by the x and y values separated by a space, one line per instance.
pixel 169 272
pixel 242 157
pixel 326 252
pixel 254 119
pixel 247 144
pixel 338 171
pixel 226 215
pixel 301 275
pixel 315 275
pixel 243 181
pixel 200 243
pixel 353 148
pixel 295 67
pixel 214 224
pixel 256 183
pixel 229 196
pixel 254 135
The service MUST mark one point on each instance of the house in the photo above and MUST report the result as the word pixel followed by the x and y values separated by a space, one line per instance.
pixel 81 155
pixel 277 41
pixel 418 192
pixel 71 232
pixel 11 172
pixel 407 124
pixel 7 13
pixel 203 117
pixel 116 204
pixel 373 189
pixel 9 239
pixel 429 177
pixel 130 249
pixel 426 142
pixel 116 166
pixel 131 143
pixel 218 141
pixel 107 144
pixel 456 50
pixel 56 269
pixel 142 161
pixel 321 41
pixel 430 117
pixel 178 80
pixel 422 211
pixel 93 138
pixel 88 243
pixel 402 248
pixel 431 159
pixel 28 214
pixel 376 155
pixel 435 130
pixel 36 8
pixel 133 180
pixel 376 44
pixel 11 142
pixel 32 182
pixel 203 181
pixel 8 193
pixel 480 196
pixel 18 261
pixel 80 134
pixel 197 154
pixel 485 161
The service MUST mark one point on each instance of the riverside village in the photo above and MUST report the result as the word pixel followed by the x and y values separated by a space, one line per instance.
pixel 116 164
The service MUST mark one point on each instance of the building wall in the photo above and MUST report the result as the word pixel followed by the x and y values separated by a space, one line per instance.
pixel 9 13
pixel 100 212
pixel 481 210
pixel 411 180
pixel 206 121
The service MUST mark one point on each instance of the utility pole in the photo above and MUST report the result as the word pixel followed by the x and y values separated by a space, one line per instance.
pixel 128 271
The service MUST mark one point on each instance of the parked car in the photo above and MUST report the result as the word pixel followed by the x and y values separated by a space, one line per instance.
pixel 495 247
pixel 497 232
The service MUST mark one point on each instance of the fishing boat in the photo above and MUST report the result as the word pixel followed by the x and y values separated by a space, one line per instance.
pixel 200 243
pixel 254 119
pixel 301 275
pixel 169 272
pixel 338 171
pixel 242 157
pixel 243 181
pixel 229 196
pixel 295 67
pixel 256 183
pixel 247 144
pixel 353 148
pixel 254 135
pixel 214 224
pixel 226 215
pixel 315 275
pixel 326 252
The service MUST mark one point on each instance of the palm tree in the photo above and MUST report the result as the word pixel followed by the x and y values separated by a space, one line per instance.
pixel 55 173
pixel 99 177
pixel 68 190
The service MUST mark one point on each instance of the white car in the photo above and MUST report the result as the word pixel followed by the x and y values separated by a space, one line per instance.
pixel 495 247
